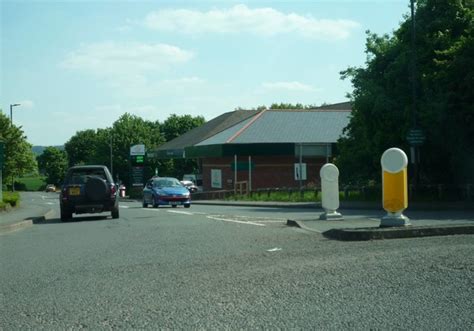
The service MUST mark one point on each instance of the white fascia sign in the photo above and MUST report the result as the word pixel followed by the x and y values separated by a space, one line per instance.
pixel 137 150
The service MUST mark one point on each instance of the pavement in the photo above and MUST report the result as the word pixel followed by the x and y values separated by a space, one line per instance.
pixel 23 216
pixel 361 221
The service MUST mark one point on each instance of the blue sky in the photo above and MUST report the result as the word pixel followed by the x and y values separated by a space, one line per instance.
pixel 75 65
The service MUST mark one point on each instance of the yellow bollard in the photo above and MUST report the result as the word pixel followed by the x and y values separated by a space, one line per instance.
pixel 394 187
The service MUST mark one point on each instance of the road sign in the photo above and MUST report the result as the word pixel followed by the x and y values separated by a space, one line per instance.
pixel 137 160
pixel 137 150
pixel 416 137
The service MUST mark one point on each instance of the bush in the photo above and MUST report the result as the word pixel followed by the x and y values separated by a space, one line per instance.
pixel 11 198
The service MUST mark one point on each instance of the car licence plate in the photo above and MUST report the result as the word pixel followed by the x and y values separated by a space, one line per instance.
pixel 174 203
pixel 74 191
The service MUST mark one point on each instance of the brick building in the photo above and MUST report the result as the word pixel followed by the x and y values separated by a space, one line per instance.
pixel 262 149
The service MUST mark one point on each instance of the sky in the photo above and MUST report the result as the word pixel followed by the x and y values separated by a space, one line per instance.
pixel 76 65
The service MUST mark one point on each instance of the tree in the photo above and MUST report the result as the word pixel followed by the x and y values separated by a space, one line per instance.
pixel 127 131
pixel 381 116
pixel 175 125
pixel 82 147
pixel 53 162
pixel 19 157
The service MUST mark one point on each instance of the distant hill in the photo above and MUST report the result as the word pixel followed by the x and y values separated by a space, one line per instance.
pixel 38 150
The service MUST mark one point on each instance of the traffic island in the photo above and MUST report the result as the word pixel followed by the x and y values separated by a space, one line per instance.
pixel 341 232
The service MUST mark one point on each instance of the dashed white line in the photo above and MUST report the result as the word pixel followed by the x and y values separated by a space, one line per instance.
pixel 179 212
pixel 233 221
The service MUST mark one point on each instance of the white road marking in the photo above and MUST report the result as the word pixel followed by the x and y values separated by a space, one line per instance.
pixel 179 212
pixel 233 221
pixel 276 249
pixel 50 203
pixel 120 206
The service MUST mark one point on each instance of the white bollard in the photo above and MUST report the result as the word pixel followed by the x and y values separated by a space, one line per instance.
pixel 330 192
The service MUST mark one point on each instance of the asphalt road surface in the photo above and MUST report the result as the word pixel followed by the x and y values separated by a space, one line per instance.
pixel 213 267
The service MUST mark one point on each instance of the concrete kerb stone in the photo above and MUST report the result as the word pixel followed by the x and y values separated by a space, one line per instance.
pixel 22 224
pixel 7 228
pixel 300 224
pixel 364 234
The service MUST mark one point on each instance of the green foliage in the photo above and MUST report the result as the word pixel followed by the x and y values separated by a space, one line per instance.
pixel 53 162
pixel 31 183
pixel 11 198
pixel 19 158
pixel 279 196
pixel 175 125
pixel 81 148
pixel 381 116
pixel 95 147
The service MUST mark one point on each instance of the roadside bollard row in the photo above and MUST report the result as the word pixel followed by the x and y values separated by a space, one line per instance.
pixel 394 164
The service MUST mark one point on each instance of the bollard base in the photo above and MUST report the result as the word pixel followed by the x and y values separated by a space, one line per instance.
pixel 331 215
pixel 394 219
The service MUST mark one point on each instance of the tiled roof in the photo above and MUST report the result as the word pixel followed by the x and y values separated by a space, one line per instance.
pixel 319 125
pixel 208 129
pixel 286 126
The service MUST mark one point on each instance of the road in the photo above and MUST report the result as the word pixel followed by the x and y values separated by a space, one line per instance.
pixel 226 267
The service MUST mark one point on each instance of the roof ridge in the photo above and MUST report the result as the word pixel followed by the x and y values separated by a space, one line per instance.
pixel 238 133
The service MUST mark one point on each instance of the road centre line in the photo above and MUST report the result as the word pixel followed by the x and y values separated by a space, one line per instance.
pixel 180 212
pixel 233 221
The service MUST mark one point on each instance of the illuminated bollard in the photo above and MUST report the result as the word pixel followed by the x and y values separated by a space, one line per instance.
pixel 330 192
pixel 394 187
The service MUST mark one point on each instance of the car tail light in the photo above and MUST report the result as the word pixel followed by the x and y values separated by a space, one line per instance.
pixel 113 191
pixel 64 193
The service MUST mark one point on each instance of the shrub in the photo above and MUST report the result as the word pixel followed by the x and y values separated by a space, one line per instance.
pixel 12 198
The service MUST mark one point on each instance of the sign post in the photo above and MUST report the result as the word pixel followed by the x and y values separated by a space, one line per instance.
pixel 137 161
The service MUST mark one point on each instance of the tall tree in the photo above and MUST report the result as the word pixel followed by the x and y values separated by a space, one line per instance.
pixel 175 125
pixel 19 157
pixel 382 117
pixel 82 147
pixel 53 163
pixel 127 131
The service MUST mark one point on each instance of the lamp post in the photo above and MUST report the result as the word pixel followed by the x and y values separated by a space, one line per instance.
pixel 11 112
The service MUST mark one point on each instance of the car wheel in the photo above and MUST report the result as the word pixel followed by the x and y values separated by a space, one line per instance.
pixel 187 206
pixel 115 213
pixel 155 202
pixel 65 215
pixel 174 206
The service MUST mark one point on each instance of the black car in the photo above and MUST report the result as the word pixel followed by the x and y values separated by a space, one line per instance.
pixel 88 189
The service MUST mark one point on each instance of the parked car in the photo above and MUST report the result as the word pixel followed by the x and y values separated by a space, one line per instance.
pixel 50 188
pixel 88 189
pixel 166 191
pixel 189 185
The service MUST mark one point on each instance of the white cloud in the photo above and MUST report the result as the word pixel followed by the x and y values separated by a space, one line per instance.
pixel 289 86
pixel 241 19
pixel 112 58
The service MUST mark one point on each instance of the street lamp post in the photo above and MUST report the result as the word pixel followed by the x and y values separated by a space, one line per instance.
pixel 11 112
